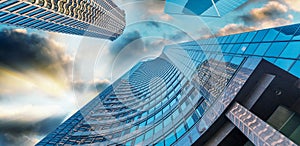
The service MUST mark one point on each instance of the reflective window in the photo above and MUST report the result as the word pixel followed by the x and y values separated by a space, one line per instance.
pixel 4 4
pixel 292 50
pixel 235 38
pixel 262 48
pixel 235 48
pixel 237 60
pixel 180 130
pixel 158 128
pixel 170 139
pixel 167 121
pixel 251 48
pixel 250 36
pixel 284 63
pixel 287 32
pixel 139 139
pixel 190 121
pixel 161 143
pixel 242 48
pixel 11 9
pixel 242 37
pixel 260 35
pixel 275 49
pixel 149 134
pixel 295 69
pixel 271 35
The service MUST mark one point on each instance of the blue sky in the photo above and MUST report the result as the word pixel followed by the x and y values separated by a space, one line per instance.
pixel 70 70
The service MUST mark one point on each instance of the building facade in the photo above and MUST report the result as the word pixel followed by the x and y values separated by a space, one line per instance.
pixel 94 18
pixel 242 89
pixel 205 8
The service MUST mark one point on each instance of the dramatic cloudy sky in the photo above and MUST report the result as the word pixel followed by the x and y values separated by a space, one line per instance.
pixel 45 77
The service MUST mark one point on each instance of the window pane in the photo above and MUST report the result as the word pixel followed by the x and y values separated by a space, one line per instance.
pixel 170 139
pixel 276 49
pixel 260 35
pixel 262 48
pixel 292 50
pixel 271 35
pixel 251 48
pixel 284 63
pixel 250 36
pixel 287 32
pixel 295 70
pixel 180 130
pixel 158 128
pixel 139 139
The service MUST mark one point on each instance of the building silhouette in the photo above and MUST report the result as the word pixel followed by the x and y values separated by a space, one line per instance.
pixel 94 18
pixel 241 89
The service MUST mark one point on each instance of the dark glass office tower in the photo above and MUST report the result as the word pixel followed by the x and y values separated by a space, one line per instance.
pixel 207 8
pixel 241 89
pixel 94 18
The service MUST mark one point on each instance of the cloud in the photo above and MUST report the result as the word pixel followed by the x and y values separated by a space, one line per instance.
pixel 234 29
pixel 22 51
pixel 272 14
pixel 91 86
pixel 271 10
pixel 293 4
pixel 34 82
pixel 23 133
pixel 130 39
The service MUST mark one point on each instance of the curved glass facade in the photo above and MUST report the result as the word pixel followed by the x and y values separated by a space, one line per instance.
pixel 95 18
pixel 176 99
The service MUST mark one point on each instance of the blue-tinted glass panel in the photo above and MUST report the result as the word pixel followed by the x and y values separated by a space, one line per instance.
pixel 36 12
pixel 287 32
pixel 271 35
pixel 168 121
pixel 229 48
pixel 149 134
pixel 158 128
pixel 11 9
pixel 292 50
pixel 161 143
pixel 242 48
pixel 235 38
pixel 235 48
pixel 250 36
pixel 7 17
pixel 297 35
pixel 139 139
pixel 295 69
pixel 170 139
pixel 262 48
pixel 180 130
pixel 4 4
pixel 275 49
pixel 284 63
pixel 190 122
pixel 251 48
pixel 128 143
pixel 237 60
pixel 26 10
pixel 272 60
pixel 260 35
pixel 2 13
pixel 242 37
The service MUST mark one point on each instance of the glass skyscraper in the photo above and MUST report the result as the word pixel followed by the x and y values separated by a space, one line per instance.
pixel 207 8
pixel 240 89
pixel 94 18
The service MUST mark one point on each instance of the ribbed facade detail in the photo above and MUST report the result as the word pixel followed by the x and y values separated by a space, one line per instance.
pixel 94 18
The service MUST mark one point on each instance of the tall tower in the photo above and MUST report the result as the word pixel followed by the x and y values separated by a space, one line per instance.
pixel 94 18
pixel 242 89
